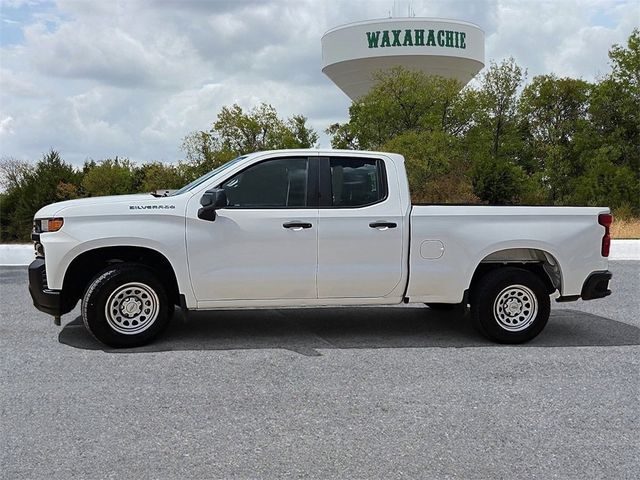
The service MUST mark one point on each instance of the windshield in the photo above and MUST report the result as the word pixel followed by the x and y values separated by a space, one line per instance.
pixel 207 176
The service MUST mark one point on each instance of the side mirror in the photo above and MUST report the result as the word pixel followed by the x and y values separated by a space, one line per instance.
pixel 211 201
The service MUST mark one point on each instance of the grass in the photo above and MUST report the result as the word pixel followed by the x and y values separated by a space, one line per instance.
pixel 625 228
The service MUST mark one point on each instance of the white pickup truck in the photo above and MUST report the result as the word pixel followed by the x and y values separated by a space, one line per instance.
pixel 310 228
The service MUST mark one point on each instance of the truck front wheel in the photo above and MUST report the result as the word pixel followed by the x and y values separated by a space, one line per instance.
pixel 125 305
pixel 510 305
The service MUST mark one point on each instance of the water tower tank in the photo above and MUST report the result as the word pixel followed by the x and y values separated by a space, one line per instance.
pixel 352 53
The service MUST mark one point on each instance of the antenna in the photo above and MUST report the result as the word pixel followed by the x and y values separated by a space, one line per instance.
pixel 398 9
pixel 411 12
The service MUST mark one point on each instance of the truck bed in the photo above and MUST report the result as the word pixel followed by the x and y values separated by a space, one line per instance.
pixel 447 242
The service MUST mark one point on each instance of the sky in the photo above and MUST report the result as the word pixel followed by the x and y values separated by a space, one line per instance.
pixel 94 79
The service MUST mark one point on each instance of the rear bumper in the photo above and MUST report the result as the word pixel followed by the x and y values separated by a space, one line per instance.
pixel 45 300
pixel 596 286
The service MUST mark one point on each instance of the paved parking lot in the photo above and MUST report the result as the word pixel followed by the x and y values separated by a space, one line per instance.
pixel 326 393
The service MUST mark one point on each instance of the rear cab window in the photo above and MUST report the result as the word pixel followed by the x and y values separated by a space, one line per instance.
pixel 357 182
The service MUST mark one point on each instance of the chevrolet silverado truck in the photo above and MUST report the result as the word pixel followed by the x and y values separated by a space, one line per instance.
pixel 310 228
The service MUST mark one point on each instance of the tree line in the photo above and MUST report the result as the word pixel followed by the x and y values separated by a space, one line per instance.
pixel 551 141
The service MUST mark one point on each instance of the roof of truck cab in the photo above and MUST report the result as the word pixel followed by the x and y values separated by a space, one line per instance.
pixel 325 151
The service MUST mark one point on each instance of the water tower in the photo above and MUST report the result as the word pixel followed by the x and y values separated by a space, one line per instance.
pixel 352 53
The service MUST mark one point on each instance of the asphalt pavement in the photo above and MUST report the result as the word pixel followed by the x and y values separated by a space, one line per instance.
pixel 396 392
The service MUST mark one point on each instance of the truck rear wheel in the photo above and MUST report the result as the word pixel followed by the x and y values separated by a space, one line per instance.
pixel 510 305
pixel 125 306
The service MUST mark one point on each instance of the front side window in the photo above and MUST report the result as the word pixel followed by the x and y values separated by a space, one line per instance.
pixel 357 182
pixel 278 183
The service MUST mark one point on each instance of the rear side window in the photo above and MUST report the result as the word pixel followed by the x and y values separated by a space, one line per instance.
pixel 278 183
pixel 357 182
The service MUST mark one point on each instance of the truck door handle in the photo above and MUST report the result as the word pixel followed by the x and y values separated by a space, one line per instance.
pixel 383 225
pixel 297 225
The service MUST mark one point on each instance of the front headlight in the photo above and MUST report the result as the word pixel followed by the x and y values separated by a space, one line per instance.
pixel 48 225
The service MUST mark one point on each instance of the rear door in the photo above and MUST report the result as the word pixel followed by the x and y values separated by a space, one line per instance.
pixel 360 225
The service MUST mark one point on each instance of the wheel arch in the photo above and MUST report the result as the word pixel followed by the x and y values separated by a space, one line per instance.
pixel 87 264
pixel 538 261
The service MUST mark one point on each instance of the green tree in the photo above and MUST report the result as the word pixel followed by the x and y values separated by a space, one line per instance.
pixel 298 134
pixel 401 101
pixel 236 132
pixel 108 177
pixel 498 105
pixel 343 136
pixel 498 181
pixel 605 183
pixel 51 180
pixel 553 114
pixel 625 63
pixel 13 173
pixel 260 129
pixel 610 144
pixel 199 147
pixel 436 167
pixel 157 175
pixel 495 141
pixel 203 154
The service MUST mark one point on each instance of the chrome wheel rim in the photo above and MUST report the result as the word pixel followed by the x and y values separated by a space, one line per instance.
pixel 515 308
pixel 132 308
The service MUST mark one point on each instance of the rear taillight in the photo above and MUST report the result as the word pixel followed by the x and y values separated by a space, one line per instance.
pixel 605 219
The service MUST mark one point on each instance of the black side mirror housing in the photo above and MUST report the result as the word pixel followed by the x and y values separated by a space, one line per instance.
pixel 211 201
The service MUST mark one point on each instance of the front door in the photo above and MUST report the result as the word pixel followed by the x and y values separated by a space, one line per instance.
pixel 263 246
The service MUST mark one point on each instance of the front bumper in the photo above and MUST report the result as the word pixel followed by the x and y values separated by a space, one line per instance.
pixel 596 286
pixel 45 300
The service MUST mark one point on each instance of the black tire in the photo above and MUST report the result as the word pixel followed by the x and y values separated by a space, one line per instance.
pixel 510 305
pixel 442 307
pixel 140 308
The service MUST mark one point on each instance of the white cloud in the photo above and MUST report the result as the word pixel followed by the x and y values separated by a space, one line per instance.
pixel 131 78
pixel 17 84
pixel 6 126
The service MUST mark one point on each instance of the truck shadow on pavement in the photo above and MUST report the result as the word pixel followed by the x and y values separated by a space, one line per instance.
pixel 306 331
